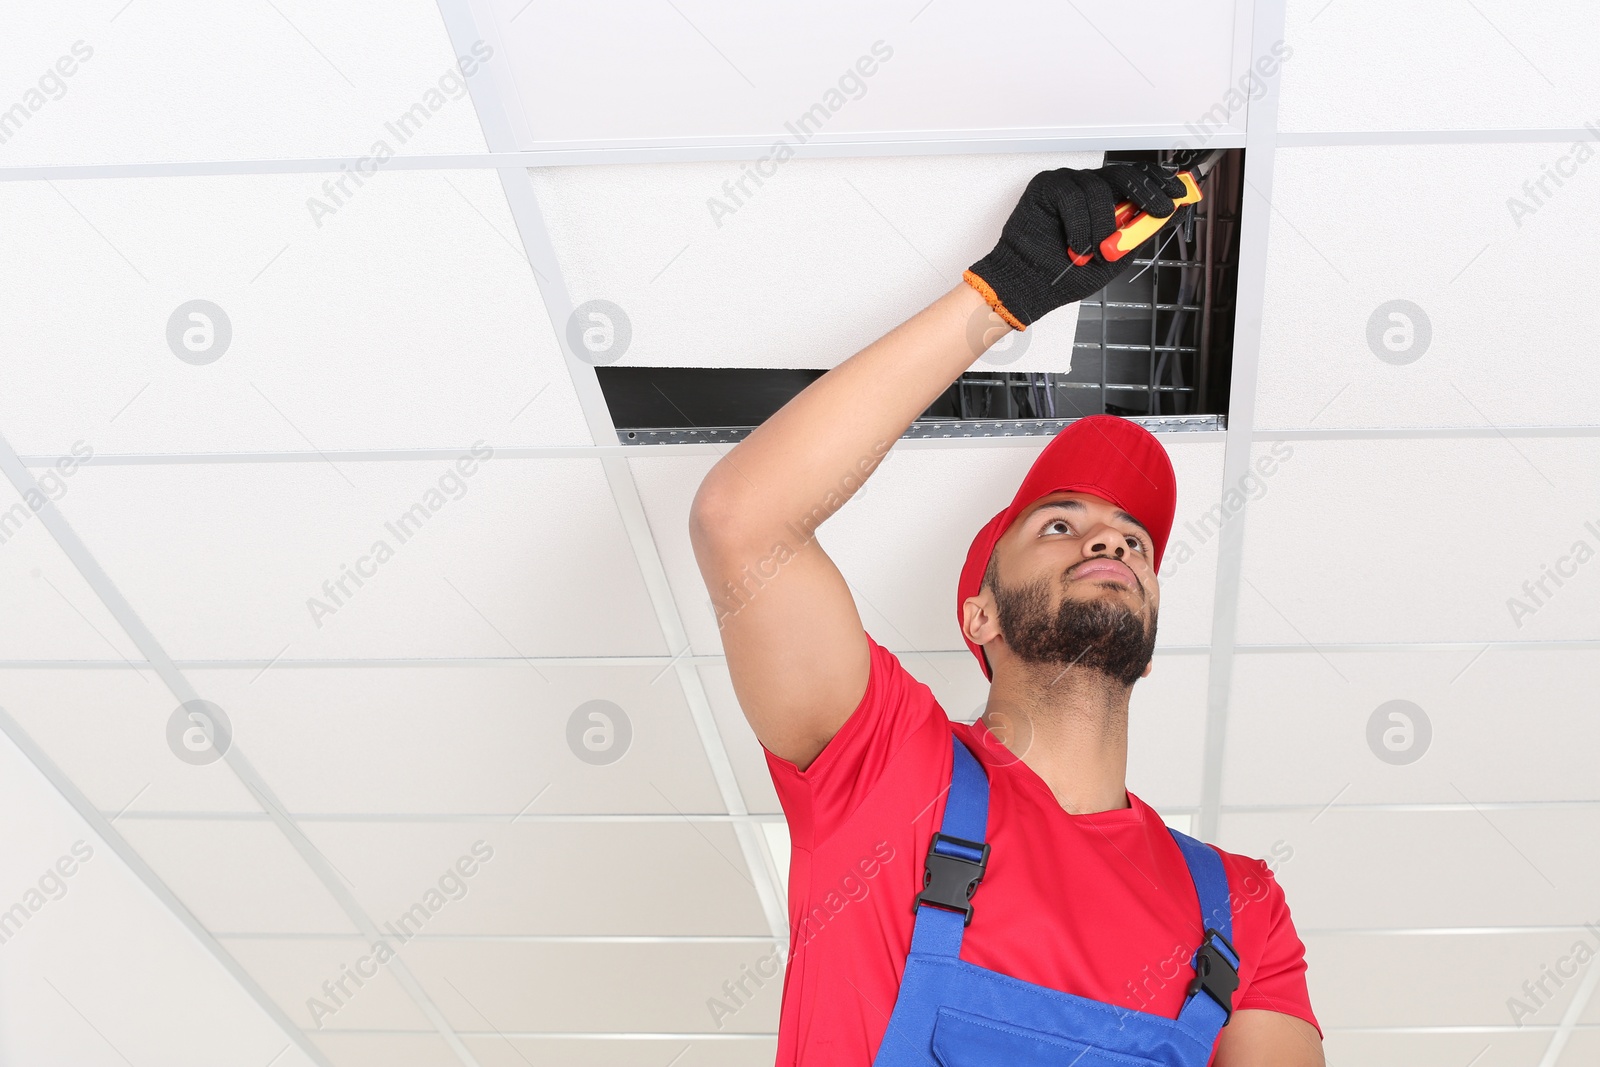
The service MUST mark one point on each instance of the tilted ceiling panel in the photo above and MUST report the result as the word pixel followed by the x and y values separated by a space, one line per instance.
pixel 821 260
pixel 93 967
pixel 1479 724
pixel 1383 309
pixel 480 556
pixel 1484 539
pixel 1438 64
pixel 641 72
pixel 408 318
pixel 1343 868
pixel 915 517
pixel 199 81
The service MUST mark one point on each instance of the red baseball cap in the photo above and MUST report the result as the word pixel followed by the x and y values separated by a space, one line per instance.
pixel 1108 456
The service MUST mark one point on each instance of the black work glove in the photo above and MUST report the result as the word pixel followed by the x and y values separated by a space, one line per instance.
pixel 1028 273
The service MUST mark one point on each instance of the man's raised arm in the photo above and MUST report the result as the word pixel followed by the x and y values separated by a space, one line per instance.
pixel 796 652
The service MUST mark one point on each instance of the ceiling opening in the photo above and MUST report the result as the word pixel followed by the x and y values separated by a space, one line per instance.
pixel 1154 346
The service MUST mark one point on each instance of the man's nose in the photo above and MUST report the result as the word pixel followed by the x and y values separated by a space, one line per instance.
pixel 1101 544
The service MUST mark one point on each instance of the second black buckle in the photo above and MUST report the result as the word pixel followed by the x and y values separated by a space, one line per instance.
pixel 948 881
pixel 1214 973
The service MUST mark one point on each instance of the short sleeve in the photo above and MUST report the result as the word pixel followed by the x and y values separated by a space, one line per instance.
pixel 894 708
pixel 1279 982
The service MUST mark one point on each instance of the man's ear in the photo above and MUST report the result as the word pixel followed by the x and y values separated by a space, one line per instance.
pixel 1146 672
pixel 979 617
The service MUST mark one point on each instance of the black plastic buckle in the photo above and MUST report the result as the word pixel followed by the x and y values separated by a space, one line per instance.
pixel 949 881
pixel 1215 974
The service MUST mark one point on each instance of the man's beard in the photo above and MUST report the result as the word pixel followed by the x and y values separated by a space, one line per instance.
pixel 1099 634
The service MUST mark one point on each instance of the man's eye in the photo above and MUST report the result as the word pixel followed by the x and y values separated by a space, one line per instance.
pixel 1136 541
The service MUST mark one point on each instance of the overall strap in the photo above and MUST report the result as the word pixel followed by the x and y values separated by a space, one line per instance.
pixel 1216 964
pixel 957 858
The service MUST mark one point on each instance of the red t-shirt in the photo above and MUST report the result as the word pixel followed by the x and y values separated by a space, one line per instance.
pixel 1098 905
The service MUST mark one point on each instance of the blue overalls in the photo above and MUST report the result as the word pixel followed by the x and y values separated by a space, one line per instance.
pixel 954 1014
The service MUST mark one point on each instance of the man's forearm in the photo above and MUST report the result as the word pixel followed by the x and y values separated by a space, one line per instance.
pixel 803 463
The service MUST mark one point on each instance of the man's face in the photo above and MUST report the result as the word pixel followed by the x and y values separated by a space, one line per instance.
pixel 1075 587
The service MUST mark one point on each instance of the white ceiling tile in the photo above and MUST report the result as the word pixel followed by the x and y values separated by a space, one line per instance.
pixel 387 1050
pixel 1423 540
pixel 652 988
pixel 294 973
pixel 509 1050
pixel 1499 867
pixel 243 560
pixel 1583 1046
pixel 1167 731
pixel 1436 1050
pixel 465 740
pixel 198 81
pixel 96 958
pixel 1497 332
pixel 1495 725
pixel 626 1051
pixel 236 874
pixel 409 319
pixel 815 268
pixel 52 613
pixel 108 731
pixel 1360 980
pixel 469 740
pixel 483 987
pixel 656 878
pixel 1432 64
pixel 667 482
pixel 744 751
pixel 716 69
pixel 929 528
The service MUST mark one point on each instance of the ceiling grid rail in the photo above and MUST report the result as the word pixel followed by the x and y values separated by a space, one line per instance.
pixel 603 451
pixel 1112 139
pixel 1261 127
pixel 522 200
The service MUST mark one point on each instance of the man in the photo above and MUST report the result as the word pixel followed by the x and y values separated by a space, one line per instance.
pixel 989 893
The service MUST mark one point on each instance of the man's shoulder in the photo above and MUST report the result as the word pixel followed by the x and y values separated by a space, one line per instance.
pixel 892 679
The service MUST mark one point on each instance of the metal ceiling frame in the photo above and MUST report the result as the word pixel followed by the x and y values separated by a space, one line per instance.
pixel 464 26
pixel 1261 124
